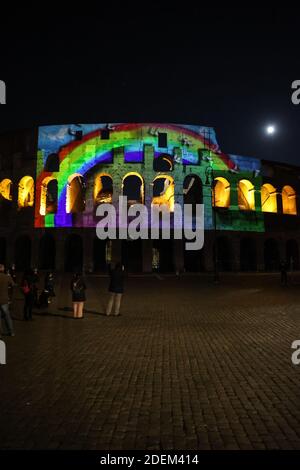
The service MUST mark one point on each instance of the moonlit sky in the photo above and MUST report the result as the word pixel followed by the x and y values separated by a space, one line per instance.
pixel 230 69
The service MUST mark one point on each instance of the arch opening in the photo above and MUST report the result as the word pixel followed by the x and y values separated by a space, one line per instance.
pixel 221 192
pixel 289 205
pixel 268 198
pixel 26 192
pixel 246 198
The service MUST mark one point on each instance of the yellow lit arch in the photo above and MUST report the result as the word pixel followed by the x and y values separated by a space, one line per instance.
pixel 246 200
pixel 289 205
pixel 166 197
pixel 75 194
pixel 5 189
pixel 26 192
pixel 268 198
pixel 142 190
pixel 100 195
pixel 221 194
pixel 44 206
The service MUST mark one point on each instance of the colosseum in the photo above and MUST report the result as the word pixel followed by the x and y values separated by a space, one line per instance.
pixel 53 178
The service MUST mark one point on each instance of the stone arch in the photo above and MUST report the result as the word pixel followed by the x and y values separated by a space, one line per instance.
pixel 221 192
pixel 47 252
pixel 246 198
pixel 73 253
pixel 248 254
pixel 268 198
pixel 49 191
pixel 26 192
pixel 52 163
pixel 163 191
pixel 103 189
pixel 22 253
pixel 289 204
pixel 271 255
pixel 75 194
pixel 133 188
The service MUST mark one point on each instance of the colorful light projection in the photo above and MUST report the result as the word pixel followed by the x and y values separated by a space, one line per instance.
pixel 77 158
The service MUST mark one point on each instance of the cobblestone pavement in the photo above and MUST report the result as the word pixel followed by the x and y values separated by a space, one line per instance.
pixel 188 365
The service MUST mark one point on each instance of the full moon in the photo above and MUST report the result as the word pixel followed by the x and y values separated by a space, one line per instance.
pixel 270 129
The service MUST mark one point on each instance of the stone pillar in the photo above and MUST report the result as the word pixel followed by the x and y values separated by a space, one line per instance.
pixel 60 253
pixel 88 242
pixel 235 254
pixel 147 256
pixel 116 251
pixel 35 241
pixel 260 255
pixel 178 257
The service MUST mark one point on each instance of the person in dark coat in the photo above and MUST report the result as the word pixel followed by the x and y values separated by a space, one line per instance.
pixel 116 289
pixel 283 272
pixel 78 289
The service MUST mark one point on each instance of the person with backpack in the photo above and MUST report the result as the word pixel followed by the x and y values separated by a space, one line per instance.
pixel 78 289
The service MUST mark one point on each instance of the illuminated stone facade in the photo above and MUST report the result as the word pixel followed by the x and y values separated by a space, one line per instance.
pixel 52 180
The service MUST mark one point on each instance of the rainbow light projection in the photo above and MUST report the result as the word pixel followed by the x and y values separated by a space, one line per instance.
pixel 92 153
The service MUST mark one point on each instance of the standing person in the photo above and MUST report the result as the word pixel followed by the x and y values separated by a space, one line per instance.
pixel 5 282
pixel 283 272
pixel 35 283
pixel 49 286
pixel 116 289
pixel 78 288
pixel 28 291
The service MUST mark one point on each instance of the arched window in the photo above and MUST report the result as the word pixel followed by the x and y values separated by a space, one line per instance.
pixel 221 194
pixel 289 205
pixel 52 163
pixel 48 203
pixel 268 198
pixel 75 194
pixel 133 188
pixel 246 200
pixel 163 191
pixel 26 192
pixel 163 162
pixel 6 189
pixel 103 189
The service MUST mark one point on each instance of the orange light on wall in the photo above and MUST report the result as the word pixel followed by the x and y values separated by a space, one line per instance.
pixel 26 192
pixel 166 196
pixel 103 192
pixel 5 189
pixel 221 196
pixel 289 205
pixel 47 206
pixel 268 198
pixel 246 200
pixel 75 194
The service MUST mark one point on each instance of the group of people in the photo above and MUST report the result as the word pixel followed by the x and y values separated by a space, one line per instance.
pixel 29 288
pixel 116 289
pixel 34 298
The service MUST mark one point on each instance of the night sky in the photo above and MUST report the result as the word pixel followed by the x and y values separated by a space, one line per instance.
pixel 230 69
